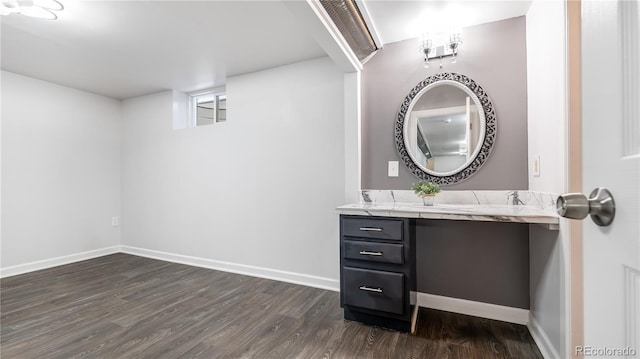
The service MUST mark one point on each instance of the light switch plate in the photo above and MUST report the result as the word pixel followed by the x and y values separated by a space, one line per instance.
pixel 115 221
pixel 393 169
pixel 536 166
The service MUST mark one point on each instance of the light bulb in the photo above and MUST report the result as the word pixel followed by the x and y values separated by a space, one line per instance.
pixel 426 44
pixel 8 7
pixel 11 5
pixel 49 4
pixel 38 12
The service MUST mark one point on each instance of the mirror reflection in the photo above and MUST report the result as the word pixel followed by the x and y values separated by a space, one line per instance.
pixel 444 128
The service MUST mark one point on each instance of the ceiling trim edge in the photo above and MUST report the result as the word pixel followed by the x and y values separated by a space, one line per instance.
pixel 311 14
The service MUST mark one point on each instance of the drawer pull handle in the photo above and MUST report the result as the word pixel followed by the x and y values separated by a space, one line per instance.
pixel 369 289
pixel 367 253
pixel 371 229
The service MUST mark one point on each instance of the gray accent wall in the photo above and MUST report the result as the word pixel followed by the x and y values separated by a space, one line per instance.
pixel 494 55
pixel 479 261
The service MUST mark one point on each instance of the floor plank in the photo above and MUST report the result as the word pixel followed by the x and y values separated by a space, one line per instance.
pixel 123 306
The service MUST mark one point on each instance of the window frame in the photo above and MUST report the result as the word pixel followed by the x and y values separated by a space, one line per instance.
pixel 206 95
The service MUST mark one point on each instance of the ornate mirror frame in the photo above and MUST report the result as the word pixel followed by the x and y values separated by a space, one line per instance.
pixel 481 154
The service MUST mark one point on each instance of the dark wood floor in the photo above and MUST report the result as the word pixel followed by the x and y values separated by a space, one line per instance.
pixel 123 306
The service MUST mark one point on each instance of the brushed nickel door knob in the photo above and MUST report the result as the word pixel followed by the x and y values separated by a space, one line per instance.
pixel 600 205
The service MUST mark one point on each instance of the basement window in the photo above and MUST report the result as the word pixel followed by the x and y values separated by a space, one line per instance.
pixel 207 108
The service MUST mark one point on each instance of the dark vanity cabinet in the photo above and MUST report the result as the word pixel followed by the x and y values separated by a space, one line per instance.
pixel 377 270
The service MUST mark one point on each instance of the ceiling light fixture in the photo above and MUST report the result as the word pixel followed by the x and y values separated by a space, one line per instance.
pixel 440 45
pixel 41 9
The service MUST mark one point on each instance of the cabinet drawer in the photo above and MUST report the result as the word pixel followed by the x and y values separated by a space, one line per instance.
pixel 372 228
pixel 372 289
pixel 374 252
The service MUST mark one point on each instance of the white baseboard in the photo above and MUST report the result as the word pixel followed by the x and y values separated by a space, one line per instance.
pixel 476 309
pixel 542 339
pixel 58 261
pixel 283 276
pixel 456 305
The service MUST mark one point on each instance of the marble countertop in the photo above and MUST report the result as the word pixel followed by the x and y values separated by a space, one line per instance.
pixel 463 212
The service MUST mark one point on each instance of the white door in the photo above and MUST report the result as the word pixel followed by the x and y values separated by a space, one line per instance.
pixel 611 159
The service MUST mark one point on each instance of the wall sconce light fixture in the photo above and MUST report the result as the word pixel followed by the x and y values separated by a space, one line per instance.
pixel 439 45
pixel 42 9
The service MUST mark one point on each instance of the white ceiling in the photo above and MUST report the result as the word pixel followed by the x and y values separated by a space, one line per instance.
pixel 401 20
pixel 124 49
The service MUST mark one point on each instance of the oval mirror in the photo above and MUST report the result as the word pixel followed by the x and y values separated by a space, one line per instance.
pixel 445 128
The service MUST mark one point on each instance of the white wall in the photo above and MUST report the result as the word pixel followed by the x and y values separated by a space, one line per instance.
pixel 60 170
pixel 547 122
pixel 352 140
pixel 547 96
pixel 258 190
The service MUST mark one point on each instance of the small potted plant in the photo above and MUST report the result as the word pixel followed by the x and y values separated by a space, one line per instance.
pixel 427 191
